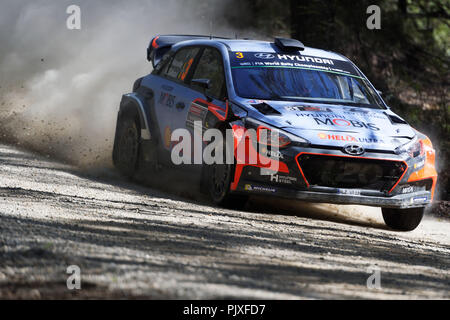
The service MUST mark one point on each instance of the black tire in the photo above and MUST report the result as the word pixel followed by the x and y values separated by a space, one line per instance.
pixel 403 219
pixel 126 146
pixel 218 180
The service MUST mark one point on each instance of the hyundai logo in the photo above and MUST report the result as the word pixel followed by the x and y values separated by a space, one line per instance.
pixel 354 149
pixel 264 56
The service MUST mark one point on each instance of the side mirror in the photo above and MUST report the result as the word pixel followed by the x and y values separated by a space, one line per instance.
pixel 205 84
pixel 380 92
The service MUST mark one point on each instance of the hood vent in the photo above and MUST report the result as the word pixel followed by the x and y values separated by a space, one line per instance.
pixel 395 119
pixel 266 109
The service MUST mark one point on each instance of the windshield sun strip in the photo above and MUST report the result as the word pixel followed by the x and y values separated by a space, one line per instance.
pixel 301 68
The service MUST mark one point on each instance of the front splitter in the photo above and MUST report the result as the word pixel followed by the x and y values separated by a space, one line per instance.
pixel 401 201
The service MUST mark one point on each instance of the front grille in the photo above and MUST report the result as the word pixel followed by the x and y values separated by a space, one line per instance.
pixel 349 172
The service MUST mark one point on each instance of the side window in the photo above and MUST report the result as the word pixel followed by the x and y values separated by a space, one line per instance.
pixel 181 63
pixel 210 66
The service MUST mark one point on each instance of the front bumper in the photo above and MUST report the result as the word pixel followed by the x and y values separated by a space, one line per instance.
pixel 292 184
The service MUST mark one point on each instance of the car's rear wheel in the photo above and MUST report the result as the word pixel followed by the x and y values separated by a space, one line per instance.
pixel 126 146
pixel 403 219
pixel 219 178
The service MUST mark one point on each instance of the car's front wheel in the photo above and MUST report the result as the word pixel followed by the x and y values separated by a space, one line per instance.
pixel 403 219
pixel 219 178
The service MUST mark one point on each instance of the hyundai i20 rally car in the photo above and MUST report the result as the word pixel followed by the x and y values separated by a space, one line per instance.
pixel 338 141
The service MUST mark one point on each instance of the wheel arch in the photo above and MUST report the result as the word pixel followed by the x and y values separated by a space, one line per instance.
pixel 132 105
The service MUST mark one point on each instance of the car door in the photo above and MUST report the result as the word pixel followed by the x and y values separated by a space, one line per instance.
pixel 171 91
pixel 194 102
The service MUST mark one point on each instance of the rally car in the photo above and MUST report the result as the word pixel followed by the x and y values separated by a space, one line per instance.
pixel 338 141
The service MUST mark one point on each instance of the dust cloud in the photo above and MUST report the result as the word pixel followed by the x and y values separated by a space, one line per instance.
pixel 60 89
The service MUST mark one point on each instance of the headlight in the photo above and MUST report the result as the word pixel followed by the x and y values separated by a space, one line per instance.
pixel 416 149
pixel 264 134
pixel 413 148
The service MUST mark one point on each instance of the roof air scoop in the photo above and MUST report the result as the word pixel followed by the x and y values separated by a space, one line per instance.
pixel 289 44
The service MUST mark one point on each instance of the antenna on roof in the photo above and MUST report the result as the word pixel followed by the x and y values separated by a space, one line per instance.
pixel 235 35
pixel 210 29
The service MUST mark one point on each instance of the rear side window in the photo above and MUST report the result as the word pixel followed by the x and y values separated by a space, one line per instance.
pixel 210 66
pixel 181 64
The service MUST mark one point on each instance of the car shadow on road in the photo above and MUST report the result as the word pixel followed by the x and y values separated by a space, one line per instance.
pixel 176 186
pixel 361 216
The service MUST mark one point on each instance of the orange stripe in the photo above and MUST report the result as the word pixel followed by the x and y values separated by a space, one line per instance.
pixel 282 167
pixel 154 44
pixel 186 70
pixel 429 170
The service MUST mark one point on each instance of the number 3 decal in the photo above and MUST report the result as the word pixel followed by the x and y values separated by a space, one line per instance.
pixel 239 55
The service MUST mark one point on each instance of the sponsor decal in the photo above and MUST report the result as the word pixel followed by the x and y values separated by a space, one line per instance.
pixel 196 109
pixel 348 138
pixel 365 113
pixel 337 137
pixel 282 179
pixel 264 55
pixel 346 123
pixel 296 61
pixel 304 59
pixel 249 187
pixel 196 113
pixel 307 108
pixel 321 115
pixel 407 189
pixel 271 153
pixel 353 192
pixel 166 99
pixel 420 199
pixel 347 115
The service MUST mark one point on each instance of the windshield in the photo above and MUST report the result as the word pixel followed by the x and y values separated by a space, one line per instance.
pixel 277 80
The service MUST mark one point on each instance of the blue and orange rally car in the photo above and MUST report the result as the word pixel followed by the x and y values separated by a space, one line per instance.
pixel 338 141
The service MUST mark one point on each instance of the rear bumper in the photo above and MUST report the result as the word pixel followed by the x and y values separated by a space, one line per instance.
pixel 339 196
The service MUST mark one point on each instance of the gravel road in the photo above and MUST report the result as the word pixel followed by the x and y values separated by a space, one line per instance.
pixel 131 241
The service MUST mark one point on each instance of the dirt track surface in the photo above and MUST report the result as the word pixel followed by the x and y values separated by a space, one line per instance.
pixel 131 241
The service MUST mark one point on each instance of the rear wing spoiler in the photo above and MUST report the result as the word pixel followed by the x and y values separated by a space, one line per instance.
pixel 160 45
